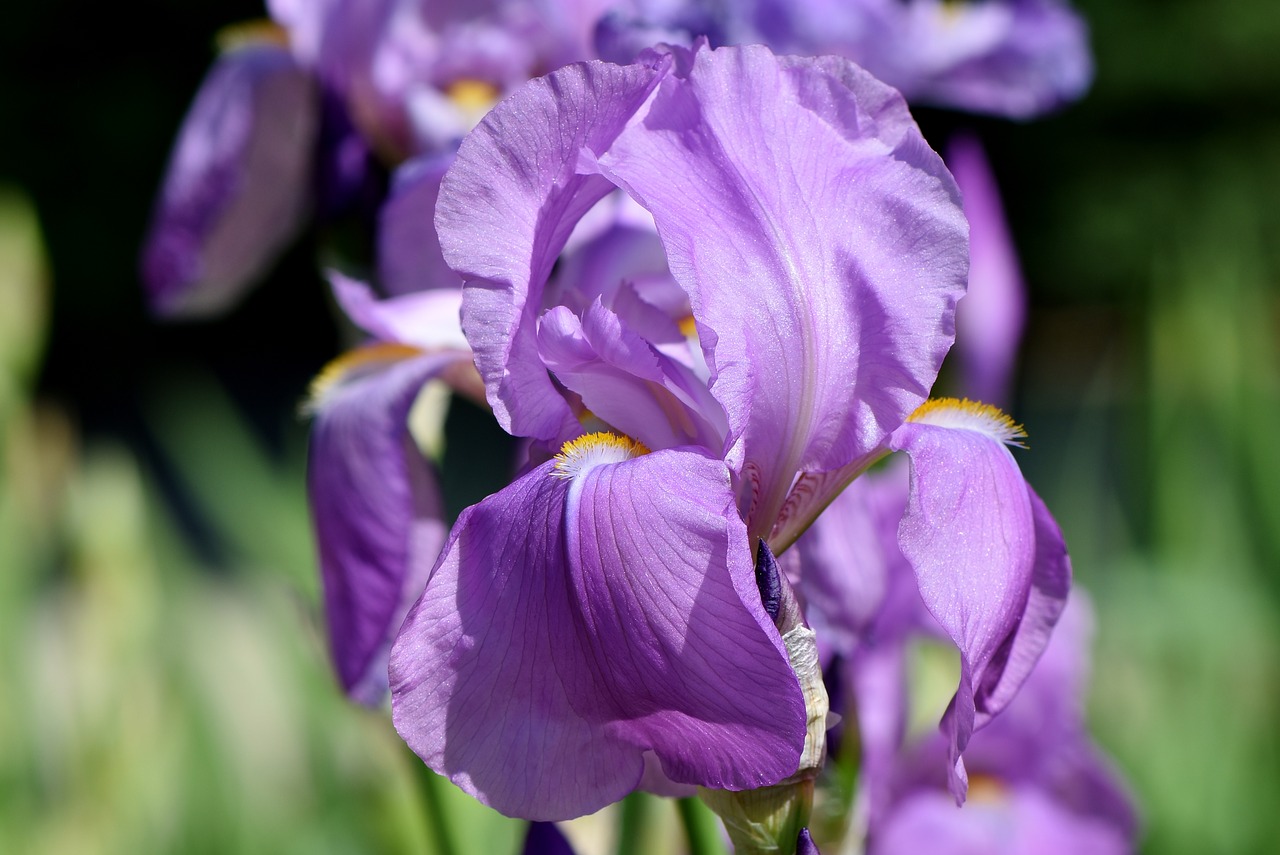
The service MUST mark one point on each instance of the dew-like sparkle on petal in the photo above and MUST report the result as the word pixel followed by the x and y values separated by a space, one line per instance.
pixel 970 415
pixel 593 449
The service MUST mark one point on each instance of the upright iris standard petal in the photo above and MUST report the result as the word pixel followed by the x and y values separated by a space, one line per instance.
pixel 601 607
pixel 378 518
pixel 821 244
pixel 238 182
pixel 620 378
pixel 506 209
pixel 970 533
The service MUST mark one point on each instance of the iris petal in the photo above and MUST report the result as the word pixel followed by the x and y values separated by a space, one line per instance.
pixel 970 534
pixel 376 510
pixel 237 188
pixel 506 209
pixel 572 624
pixel 824 284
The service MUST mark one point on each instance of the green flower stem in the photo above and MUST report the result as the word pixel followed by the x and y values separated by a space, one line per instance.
pixel 433 805
pixel 638 816
pixel 701 827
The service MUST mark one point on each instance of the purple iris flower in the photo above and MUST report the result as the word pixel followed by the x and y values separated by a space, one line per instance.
pixel 1039 784
pixel 417 75
pixel 1014 58
pixel 603 609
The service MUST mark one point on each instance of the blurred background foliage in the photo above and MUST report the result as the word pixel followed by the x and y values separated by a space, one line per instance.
pixel 163 683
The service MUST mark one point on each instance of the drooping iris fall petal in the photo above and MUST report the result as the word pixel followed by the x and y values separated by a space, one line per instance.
pixel 375 507
pixel 596 609
pixel 971 533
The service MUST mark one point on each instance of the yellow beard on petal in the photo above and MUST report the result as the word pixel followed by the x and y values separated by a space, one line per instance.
pixel 351 362
pixel 593 449
pixel 247 33
pixel 952 11
pixel 970 415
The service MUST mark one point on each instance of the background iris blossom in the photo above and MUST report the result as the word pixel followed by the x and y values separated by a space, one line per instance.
pixel 1042 785
pixel 305 114
pixel 1011 58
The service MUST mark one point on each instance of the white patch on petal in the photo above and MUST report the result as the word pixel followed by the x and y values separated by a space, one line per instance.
pixel 963 414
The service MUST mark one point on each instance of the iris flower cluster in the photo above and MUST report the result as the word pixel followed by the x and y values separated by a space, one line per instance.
pixel 711 289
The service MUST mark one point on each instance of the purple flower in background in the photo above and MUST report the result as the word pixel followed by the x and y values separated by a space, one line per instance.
pixel 417 75
pixel 1014 58
pixel 1039 785
pixel 288 121
pixel 975 546
pixel 238 186
pixel 990 318
pixel 602 610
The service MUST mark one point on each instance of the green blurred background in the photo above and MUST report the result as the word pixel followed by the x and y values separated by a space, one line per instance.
pixel 163 684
